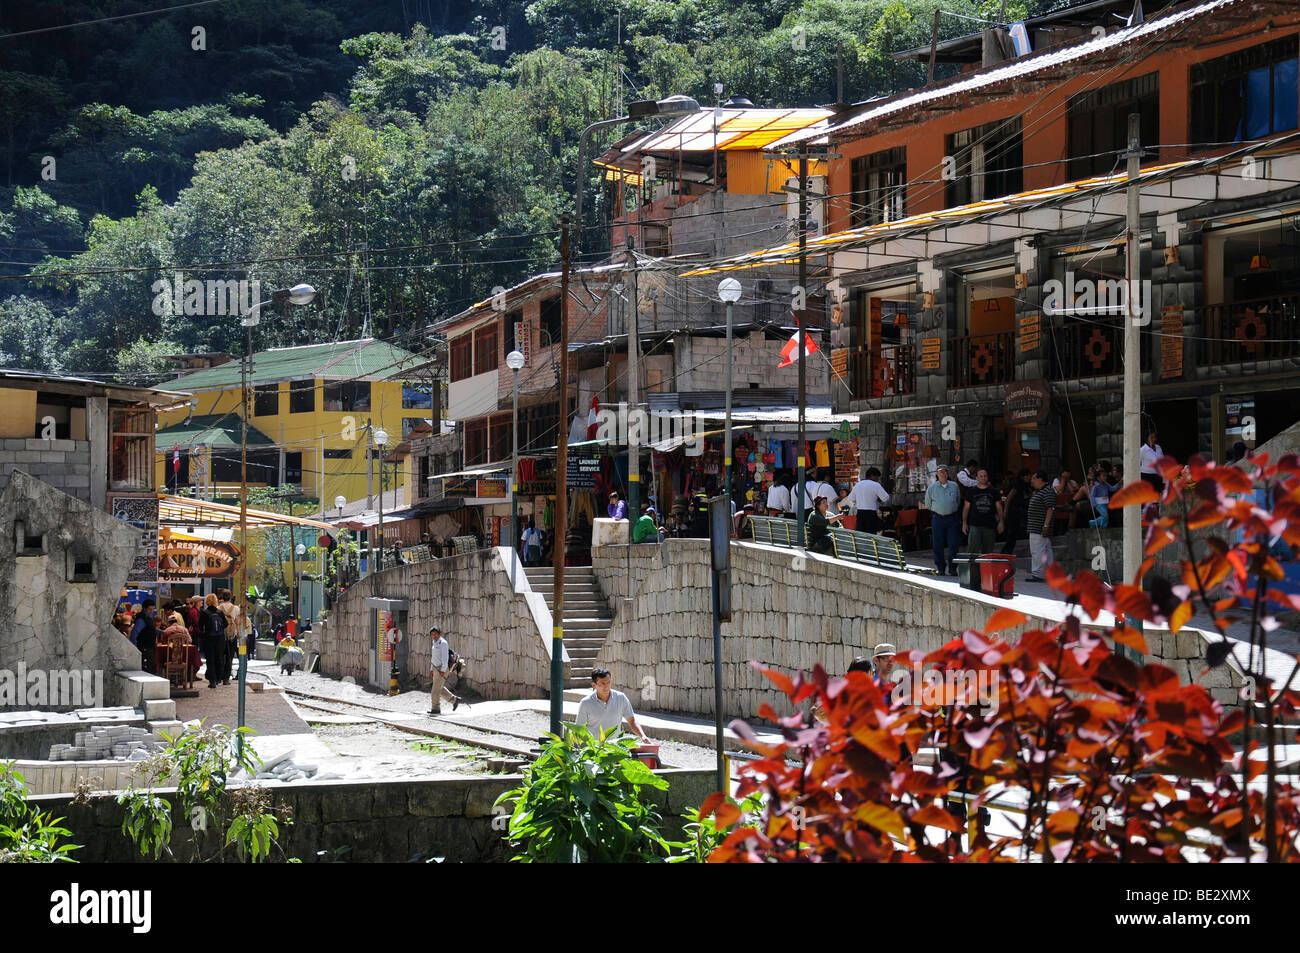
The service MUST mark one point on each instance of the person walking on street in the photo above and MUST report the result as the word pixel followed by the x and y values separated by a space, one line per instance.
pixel 943 499
pixel 234 629
pixel 439 669
pixel 605 710
pixel 1149 453
pixel 1039 520
pixel 532 540
pixel 212 639
pixel 866 496
pixel 981 516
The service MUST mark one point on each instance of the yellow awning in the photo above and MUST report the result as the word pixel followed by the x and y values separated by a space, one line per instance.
pixel 184 511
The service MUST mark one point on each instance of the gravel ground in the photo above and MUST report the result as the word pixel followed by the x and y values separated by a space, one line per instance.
pixel 377 751
pixel 534 724
pixel 326 687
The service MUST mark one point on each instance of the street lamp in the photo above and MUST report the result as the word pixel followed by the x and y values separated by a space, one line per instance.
pixel 300 294
pixel 299 551
pixel 729 292
pixel 671 106
pixel 514 361
pixel 381 439
pixel 339 503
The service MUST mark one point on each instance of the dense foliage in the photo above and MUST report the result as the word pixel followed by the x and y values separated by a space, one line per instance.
pixel 1083 754
pixel 402 161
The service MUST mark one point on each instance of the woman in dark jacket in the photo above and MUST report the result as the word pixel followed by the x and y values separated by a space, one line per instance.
pixel 1017 510
pixel 212 640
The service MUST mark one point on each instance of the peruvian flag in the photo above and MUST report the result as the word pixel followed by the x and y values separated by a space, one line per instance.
pixel 788 355
pixel 593 415
pixel 176 459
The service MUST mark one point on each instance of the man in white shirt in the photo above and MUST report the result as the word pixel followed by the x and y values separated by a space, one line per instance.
pixel 605 710
pixel 815 488
pixel 779 501
pixel 1149 453
pixel 439 669
pixel 966 477
pixel 866 496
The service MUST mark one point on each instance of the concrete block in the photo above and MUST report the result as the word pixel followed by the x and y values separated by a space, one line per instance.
pixel 159 709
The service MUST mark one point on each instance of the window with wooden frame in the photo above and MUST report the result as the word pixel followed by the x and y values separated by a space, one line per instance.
pixel 130 458
pixel 879 187
pixel 486 357
pixel 500 446
pixel 1246 95
pixel 1098 124
pixel 986 161
pixel 476 446
pixel 462 358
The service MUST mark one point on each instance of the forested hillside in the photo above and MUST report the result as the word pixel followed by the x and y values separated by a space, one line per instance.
pixel 403 157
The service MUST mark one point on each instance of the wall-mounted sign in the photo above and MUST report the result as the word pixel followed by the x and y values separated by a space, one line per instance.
pixel 492 489
pixel 583 470
pixel 1030 332
pixel 184 558
pixel 1027 402
pixel 1171 342
pixel 523 341
pixel 142 513
pixel 459 488
pixel 931 353
pixel 844 431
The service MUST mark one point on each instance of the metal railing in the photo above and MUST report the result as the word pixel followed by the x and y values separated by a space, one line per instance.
pixel 1250 332
pixel 892 372
pixel 980 359
pixel 1092 348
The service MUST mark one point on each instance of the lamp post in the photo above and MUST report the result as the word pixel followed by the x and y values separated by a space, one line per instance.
pixel 300 551
pixel 514 361
pixel 729 292
pixel 299 295
pixel 672 106
pixel 339 503
pixel 381 440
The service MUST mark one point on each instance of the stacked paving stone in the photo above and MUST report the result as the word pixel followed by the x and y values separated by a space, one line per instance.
pixel 112 743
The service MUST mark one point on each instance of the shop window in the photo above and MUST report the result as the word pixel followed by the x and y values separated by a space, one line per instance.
pixel 879 187
pixel 486 357
pixel 266 400
pixel 986 162
pixel 131 465
pixel 347 396
pixel 1098 124
pixel 1248 94
pixel 462 358
pixel 913 456
pixel 302 397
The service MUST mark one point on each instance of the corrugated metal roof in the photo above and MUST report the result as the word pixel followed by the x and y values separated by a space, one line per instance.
pixel 220 430
pixel 737 129
pixel 365 358
pixel 1022 67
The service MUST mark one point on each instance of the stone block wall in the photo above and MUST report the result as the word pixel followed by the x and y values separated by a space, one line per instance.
pixel 498 630
pixel 380 820
pixel 790 610
pixel 63 464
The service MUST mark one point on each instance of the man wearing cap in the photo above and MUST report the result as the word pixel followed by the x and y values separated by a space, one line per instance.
pixel 882 657
pixel 617 509
pixel 439 669
pixel 943 499
pixel 645 530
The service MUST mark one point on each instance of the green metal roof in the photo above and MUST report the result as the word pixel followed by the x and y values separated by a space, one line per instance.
pixel 366 359
pixel 220 430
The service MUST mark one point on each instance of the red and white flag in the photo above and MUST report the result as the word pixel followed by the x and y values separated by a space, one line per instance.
pixel 788 355
pixel 593 416
pixel 176 458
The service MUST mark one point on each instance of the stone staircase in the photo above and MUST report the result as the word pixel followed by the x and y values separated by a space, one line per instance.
pixel 586 617
pixel 151 695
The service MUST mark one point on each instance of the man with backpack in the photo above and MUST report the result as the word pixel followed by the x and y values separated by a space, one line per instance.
pixel 212 640
pixel 441 661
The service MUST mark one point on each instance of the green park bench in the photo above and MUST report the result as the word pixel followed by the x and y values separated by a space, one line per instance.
pixel 848 544
pixel 463 544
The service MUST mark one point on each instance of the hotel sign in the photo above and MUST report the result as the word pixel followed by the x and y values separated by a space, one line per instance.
pixel 1027 402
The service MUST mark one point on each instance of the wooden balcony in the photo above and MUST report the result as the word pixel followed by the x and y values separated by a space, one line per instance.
pixel 1250 332
pixel 981 359
pixel 893 373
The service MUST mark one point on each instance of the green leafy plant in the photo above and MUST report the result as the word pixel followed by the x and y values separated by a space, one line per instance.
pixel 583 800
pixel 26 834
pixel 199 762
pixel 708 826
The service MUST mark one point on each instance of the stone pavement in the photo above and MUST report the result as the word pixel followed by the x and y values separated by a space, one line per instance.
pixel 267 713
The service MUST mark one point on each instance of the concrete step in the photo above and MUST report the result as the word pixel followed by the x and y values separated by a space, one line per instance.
pixel 159 709
pixel 140 687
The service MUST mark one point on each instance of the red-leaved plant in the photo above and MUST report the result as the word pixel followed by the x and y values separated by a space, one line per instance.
pixel 1082 754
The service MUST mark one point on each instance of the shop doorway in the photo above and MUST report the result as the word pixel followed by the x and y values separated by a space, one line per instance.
pixel 1079 433
pixel 1176 424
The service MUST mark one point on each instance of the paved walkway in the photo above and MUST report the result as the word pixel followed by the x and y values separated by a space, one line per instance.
pixel 267 713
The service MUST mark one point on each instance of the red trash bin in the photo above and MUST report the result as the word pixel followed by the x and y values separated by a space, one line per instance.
pixel 997 574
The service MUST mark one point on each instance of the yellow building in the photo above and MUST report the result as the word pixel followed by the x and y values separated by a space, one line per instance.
pixel 315 410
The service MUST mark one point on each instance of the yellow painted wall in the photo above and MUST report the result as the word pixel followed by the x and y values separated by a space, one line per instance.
pixel 750 172
pixel 301 433
pixel 17 412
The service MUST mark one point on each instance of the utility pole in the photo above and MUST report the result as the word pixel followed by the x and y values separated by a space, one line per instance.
pixel 1132 545
pixel 633 397
pixel 802 317
pixel 561 490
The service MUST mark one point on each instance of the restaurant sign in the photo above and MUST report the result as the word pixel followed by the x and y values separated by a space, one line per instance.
pixel 1027 402
pixel 185 558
